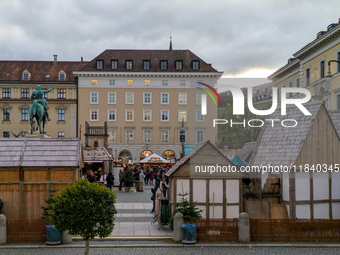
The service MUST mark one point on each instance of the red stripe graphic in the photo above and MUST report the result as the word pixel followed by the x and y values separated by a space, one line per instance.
pixel 213 90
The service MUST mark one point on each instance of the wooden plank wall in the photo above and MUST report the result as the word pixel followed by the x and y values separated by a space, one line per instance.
pixel 24 191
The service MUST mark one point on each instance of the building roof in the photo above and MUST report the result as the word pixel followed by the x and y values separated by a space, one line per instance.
pixel 279 145
pixel 41 71
pixel 246 151
pixel 96 154
pixel 335 117
pixel 154 157
pixel 154 56
pixel 35 152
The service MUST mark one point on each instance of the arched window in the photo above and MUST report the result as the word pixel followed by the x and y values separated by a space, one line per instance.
pixel 145 154
pixel 169 155
pixel 125 154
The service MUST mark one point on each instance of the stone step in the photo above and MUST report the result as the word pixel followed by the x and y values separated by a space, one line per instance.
pixel 133 211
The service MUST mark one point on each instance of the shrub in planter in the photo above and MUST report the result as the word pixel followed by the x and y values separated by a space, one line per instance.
pixel 127 178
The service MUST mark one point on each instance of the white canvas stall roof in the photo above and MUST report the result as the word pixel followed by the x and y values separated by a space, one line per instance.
pixel 96 155
pixel 154 156
pixel 36 152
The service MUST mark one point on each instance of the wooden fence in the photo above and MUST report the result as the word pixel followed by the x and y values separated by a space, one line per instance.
pixel 294 230
pixel 26 231
pixel 216 230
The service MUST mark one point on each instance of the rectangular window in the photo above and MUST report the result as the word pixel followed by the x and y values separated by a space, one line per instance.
pixel 199 136
pixel 61 93
pixel 165 136
pixel 322 69
pixel 307 77
pixel 182 115
pixel 6 93
pixel 94 82
pixel 182 83
pixel 61 134
pixel 198 98
pixel 339 61
pixel 61 115
pixel 114 64
pixel 182 136
pixel 94 115
pixel 147 98
pixel 179 64
pixel 147 136
pixel 25 93
pixel 112 82
pixel 6 115
pixel 147 115
pixel 111 97
pixel 164 98
pixel 164 82
pixel 338 105
pixel 62 77
pixel 129 98
pixel 182 98
pixel 45 95
pixel 24 114
pixel 199 116
pixel 112 115
pixel 26 76
pixel 100 64
pixel 195 65
pixel 128 115
pixel 164 64
pixel 146 64
pixel 290 85
pixel 278 95
pixel 94 97
pixel 112 136
pixel 129 82
pixel 5 134
pixel 129 135
pixel 164 115
pixel 147 82
pixel 128 64
pixel 297 82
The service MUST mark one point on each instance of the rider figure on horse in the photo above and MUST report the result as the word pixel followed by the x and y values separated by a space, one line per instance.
pixel 38 95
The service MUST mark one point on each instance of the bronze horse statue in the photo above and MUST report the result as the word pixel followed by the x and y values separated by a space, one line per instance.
pixel 37 111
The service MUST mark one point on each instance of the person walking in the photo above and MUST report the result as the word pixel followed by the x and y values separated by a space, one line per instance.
pixel 153 197
pixel 147 177
pixel 152 177
pixel 141 179
pixel 120 179
pixel 110 180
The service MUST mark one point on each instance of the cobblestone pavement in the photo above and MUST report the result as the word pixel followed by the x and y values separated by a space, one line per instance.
pixel 174 251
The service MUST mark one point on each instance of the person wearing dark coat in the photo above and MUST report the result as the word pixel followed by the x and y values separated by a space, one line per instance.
pixel 110 180
pixel 164 188
pixel 154 190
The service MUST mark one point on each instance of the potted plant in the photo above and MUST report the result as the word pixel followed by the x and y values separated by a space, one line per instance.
pixel 190 213
pixel 128 179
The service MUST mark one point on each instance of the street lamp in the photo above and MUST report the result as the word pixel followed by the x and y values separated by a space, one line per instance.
pixel 182 130
pixel 329 66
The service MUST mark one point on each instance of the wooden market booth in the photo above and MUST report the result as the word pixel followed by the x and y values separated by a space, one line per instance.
pixel 218 194
pixel 30 168
pixel 154 160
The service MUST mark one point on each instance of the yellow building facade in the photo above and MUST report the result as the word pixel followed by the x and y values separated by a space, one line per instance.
pixel 18 79
pixel 316 68
pixel 144 96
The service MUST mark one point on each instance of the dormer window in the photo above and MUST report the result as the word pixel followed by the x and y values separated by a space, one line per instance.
pixel 256 91
pixel 264 89
pixel 146 64
pixel 114 64
pixel 62 76
pixel 128 64
pixel 26 75
pixel 100 64
pixel 164 64
pixel 195 65
pixel 179 64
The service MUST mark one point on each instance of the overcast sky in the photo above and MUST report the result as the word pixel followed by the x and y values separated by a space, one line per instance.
pixel 238 37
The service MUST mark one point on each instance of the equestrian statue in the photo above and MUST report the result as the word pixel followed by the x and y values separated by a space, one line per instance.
pixel 38 109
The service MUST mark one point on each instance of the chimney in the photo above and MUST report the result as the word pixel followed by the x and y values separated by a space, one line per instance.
pixel 55 58
pixel 81 59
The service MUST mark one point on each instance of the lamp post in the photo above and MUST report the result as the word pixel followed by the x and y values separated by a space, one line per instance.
pixel 182 130
pixel 329 66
